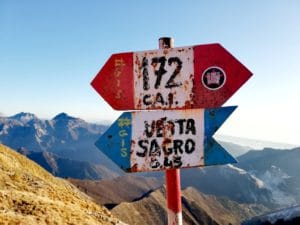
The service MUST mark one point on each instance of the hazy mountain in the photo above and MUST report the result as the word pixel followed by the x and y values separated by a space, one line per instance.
pixel 30 195
pixel 197 209
pixel 253 143
pixel 234 149
pixel 278 169
pixel 287 216
pixel 68 168
pixel 66 136
pixel 228 181
pixel 111 192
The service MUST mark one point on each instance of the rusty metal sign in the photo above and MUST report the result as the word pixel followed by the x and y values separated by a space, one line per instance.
pixel 159 140
pixel 201 76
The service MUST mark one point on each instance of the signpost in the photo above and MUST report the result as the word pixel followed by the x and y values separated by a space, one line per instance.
pixel 201 76
pixel 159 140
pixel 188 85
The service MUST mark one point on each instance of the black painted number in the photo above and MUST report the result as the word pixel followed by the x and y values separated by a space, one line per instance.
pixel 171 83
pixel 161 71
pixel 146 84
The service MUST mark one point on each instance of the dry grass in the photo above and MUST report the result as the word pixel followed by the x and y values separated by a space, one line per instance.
pixel 30 195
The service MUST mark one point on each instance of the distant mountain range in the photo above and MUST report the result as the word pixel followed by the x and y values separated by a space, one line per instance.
pixel 68 168
pixel 279 170
pixel 65 146
pixel 229 181
pixel 67 137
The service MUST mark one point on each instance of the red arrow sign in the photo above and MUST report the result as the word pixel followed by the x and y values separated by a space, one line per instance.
pixel 201 76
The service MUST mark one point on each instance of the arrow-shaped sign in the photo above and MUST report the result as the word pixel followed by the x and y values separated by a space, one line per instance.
pixel 159 140
pixel 201 76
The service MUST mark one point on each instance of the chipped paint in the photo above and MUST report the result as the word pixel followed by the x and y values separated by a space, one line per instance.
pixel 159 140
pixel 167 139
pixel 200 76
pixel 163 79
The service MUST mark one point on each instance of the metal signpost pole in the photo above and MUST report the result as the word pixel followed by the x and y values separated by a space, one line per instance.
pixel 173 190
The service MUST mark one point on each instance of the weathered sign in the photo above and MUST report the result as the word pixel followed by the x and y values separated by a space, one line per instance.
pixel 159 140
pixel 201 76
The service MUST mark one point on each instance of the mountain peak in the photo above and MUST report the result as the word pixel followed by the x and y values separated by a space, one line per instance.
pixel 63 116
pixel 23 116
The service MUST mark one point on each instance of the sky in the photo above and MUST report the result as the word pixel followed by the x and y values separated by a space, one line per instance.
pixel 51 50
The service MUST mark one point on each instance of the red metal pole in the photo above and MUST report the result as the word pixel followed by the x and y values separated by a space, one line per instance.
pixel 173 197
pixel 173 190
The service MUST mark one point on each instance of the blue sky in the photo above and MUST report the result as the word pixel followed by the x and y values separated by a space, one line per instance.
pixel 51 50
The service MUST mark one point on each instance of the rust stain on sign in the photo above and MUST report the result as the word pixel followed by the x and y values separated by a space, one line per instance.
pixel 165 141
pixel 163 79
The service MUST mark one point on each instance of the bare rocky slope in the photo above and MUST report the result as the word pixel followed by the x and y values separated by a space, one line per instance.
pixel 68 168
pixel 197 209
pixel 31 195
pixel 111 192
pixel 279 170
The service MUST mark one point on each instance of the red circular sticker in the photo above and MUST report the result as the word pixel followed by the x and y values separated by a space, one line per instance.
pixel 213 78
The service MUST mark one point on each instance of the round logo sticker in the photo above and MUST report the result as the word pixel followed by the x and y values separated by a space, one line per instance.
pixel 213 78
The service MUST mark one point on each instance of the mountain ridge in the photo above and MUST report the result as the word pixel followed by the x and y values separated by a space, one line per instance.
pixel 29 195
pixel 68 168
pixel 197 209
pixel 111 192
pixel 279 170
pixel 64 135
